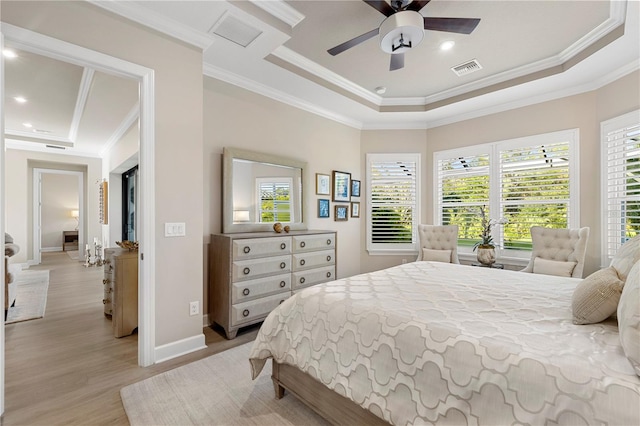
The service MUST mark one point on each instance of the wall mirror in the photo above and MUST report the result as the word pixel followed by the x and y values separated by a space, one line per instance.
pixel 261 189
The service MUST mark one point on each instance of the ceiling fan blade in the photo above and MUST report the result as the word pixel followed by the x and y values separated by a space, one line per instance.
pixel 417 5
pixel 381 6
pixel 353 42
pixel 451 25
pixel 397 61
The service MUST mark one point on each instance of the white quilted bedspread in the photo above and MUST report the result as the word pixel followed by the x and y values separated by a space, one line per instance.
pixel 430 342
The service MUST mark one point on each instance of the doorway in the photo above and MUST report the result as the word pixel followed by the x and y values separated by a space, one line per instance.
pixel 129 203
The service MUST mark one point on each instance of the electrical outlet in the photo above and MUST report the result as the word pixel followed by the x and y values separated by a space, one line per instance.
pixel 194 308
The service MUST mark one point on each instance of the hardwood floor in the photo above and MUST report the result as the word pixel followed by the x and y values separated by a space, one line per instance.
pixel 67 368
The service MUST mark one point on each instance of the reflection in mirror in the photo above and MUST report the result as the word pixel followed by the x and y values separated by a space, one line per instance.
pixel 261 189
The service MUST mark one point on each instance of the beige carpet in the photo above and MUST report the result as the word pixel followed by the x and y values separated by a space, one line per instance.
pixel 31 296
pixel 217 390
pixel 74 254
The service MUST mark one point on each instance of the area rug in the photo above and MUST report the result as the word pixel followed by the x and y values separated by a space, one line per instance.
pixel 31 296
pixel 217 390
pixel 74 254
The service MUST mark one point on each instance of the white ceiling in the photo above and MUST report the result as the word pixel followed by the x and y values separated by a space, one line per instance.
pixel 530 51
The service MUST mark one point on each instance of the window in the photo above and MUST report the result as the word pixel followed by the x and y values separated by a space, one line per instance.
pixel 621 181
pixel 528 181
pixel 275 200
pixel 393 199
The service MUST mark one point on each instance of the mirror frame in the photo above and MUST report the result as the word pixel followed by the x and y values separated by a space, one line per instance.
pixel 230 154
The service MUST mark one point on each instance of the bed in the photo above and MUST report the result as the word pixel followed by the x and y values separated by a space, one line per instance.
pixel 429 342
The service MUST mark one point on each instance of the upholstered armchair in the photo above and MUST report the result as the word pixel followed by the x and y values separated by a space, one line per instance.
pixel 438 243
pixel 558 251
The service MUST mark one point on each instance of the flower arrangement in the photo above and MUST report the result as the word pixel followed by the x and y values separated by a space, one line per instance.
pixel 486 239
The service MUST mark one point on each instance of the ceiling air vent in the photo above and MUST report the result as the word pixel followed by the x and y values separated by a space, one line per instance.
pixel 55 146
pixel 467 68
pixel 233 29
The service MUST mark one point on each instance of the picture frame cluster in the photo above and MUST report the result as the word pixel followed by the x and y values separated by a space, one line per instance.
pixel 341 188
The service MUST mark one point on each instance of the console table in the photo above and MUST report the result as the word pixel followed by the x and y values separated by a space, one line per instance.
pixel 69 240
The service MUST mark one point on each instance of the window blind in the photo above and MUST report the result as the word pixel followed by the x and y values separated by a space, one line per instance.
pixel 621 186
pixel 275 201
pixel 534 190
pixel 393 201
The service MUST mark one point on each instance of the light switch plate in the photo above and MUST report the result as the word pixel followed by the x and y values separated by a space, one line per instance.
pixel 176 229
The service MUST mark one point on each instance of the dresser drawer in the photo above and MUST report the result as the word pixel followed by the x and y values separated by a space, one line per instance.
pixel 303 243
pixel 314 259
pixel 249 269
pixel 253 289
pixel 313 276
pixel 256 309
pixel 261 247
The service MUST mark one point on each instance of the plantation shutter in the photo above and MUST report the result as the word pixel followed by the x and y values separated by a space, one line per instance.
pixel 534 190
pixel 621 183
pixel 463 188
pixel 275 200
pixel 393 201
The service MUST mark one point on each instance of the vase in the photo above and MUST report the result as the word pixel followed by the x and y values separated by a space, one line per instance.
pixel 486 255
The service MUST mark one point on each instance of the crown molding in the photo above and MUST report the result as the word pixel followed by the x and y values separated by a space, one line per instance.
pixel 280 10
pixel 42 138
pixel 154 20
pixel 261 89
pixel 81 101
pixel 37 147
pixel 124 126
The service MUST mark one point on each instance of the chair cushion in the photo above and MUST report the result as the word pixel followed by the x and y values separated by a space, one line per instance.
pixel 627 256
pixel 436 255
pixel 629 317
pixel 553 267
pixel 596 297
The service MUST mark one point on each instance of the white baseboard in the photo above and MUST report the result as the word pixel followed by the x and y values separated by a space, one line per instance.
pixel 179 348
pixel 50 249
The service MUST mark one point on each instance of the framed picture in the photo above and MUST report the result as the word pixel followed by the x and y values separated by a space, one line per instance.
pixel 341 186
pixel 355 188
pixel 323 207
pixel 323 184
pixel 341 213
pixel 355 209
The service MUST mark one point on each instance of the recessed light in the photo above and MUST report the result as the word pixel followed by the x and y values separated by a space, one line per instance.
pixel 8 53
pixel 380 90
pixel 20 99
pixel 29 125
pixel 447 45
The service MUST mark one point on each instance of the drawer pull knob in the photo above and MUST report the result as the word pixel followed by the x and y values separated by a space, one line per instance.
pixel 328 274
pixel 302 244
pixel 246 271
pixel 245 313
pixel 106 262
pixel 282 283
pixel 281 302
pixel 105 281
pixel 302 262
pixel 328 241
pixel 247 249
pixel 283 246
pixel 283 265
pixel 302 280
pixel 246 291
pixel 105 301
pixel 328 258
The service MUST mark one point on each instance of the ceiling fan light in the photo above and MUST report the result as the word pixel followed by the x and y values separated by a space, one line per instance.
pixel 408 25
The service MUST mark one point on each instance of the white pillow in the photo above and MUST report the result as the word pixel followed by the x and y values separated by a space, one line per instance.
pixel 436 255
pixel 629 317
pixel 553 267
pixel 596 297
pixel 627 256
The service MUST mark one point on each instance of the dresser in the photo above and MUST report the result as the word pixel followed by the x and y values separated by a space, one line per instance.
pixel 121 290
pixel 252 273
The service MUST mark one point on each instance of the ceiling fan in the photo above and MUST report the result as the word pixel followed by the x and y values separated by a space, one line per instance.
pixel 404 28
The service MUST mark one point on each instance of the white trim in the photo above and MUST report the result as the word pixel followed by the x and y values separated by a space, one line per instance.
pixel 179 348
pixel 51 249
pixel 44 137
pixel 58 49
pixel 40 147
pixel 2 218
pixel 124 126
pixel 81 102
pixel 280 10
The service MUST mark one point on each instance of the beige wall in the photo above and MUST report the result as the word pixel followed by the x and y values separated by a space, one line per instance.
pixel 178 141
pixel 584 112
pixel 238 118
pixel 18 183
pixel 387 141
pixel 59 197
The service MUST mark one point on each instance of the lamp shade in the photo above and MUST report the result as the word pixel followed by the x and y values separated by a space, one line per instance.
pixel 75 213
pixel 241 216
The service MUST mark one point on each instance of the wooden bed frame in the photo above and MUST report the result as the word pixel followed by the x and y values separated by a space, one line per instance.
pixel 333 407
